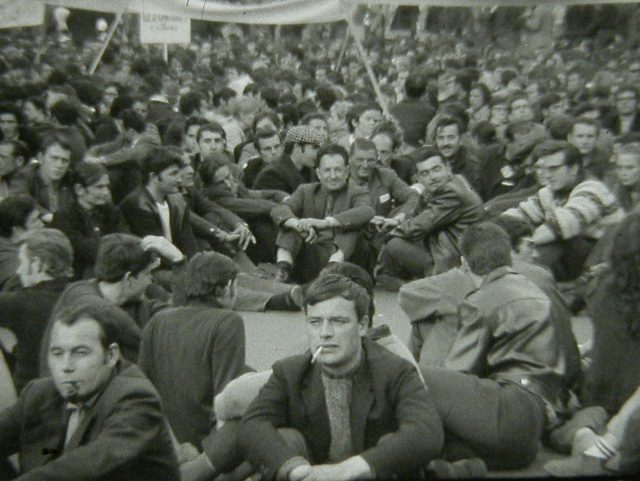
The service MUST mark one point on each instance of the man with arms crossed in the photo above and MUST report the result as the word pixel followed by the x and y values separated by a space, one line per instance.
pixel 352 409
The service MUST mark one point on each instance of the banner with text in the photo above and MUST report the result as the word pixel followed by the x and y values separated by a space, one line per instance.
pixel 158 27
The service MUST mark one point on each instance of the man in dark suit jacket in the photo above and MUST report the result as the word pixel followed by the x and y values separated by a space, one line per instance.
pixel 296 165
pixel 95 418
pixel 351 410
pixel 320 222
pixel 44 269
pixel 413 113
pixel 157 208
pixel 626 119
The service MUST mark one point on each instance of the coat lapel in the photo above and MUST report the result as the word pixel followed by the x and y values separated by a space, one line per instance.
pixel 361 404
pixel 319 431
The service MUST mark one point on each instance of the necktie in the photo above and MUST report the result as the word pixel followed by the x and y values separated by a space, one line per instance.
pixel 75 417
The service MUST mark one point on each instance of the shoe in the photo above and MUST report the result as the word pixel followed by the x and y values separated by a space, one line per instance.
pixel 574 466
pixel 283 275
pixel 462 469
pixel 583 440
pixel 296 296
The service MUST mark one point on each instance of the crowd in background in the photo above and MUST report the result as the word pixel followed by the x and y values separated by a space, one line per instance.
pixel 115 187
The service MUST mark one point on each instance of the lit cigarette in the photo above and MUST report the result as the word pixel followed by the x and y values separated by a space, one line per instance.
pixel 314 358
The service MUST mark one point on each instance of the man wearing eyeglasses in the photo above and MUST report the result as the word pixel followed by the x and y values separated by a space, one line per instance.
pixel 626 119
pixel 569 213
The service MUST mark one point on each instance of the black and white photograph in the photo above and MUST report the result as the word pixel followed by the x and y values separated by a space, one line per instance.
pixel 319 240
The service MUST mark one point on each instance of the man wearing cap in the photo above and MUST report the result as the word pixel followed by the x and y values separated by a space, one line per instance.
pixel 295 167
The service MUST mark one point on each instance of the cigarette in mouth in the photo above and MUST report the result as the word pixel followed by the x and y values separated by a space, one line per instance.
pixel 316 354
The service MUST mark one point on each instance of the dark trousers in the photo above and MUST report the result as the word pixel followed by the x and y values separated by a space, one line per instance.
pixel 565 258
pixel 405 259
pixel 501 423
pixel 264 250
pixel 309 259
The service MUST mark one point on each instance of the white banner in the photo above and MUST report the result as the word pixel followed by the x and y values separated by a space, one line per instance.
pixel 164 28
pixel 20 13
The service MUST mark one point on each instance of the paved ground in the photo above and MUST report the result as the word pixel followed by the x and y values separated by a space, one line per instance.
pixel 272 336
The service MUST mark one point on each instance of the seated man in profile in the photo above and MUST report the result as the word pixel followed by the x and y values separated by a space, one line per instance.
pixel 97 417
pixel 505 378
pixel 426 243
pixel 353 410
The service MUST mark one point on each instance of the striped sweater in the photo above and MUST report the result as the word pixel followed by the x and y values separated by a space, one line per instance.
pixel 588 209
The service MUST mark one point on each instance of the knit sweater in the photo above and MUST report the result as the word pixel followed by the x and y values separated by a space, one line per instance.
pixel 587 210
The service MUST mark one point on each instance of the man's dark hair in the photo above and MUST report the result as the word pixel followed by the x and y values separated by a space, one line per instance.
pixel 547 100
pixel 586 121
pixel 332 149
pixel 120 104
pixel 334 285
pixel 87 174
pixel 485 132
pixel 194 120
pixel 55 139
pixel 14 212
pixel 362 144
pixel 54 250
pixel 358 275
pixel 290 114
pixel 210 168
pixel 224 94
pixel 206 273
pixel 486 93
pixel 312 116
pixel 271 96
pixel 356 111
pixel 326 97
pixel 9 108
pixel 190 102
pixel 485 246
pixel 133 120
pixel 267 114
pixel 262 134
pixel 445 121
pixel 391 131
pixel 211 127
pixel 157 160
pixel 108 316
pixel 119 254
pixel 559 126
pixel 572 155
pixel 64 112
pixel 415 84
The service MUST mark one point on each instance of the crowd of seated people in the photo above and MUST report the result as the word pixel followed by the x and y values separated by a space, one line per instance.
pixel 145 206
